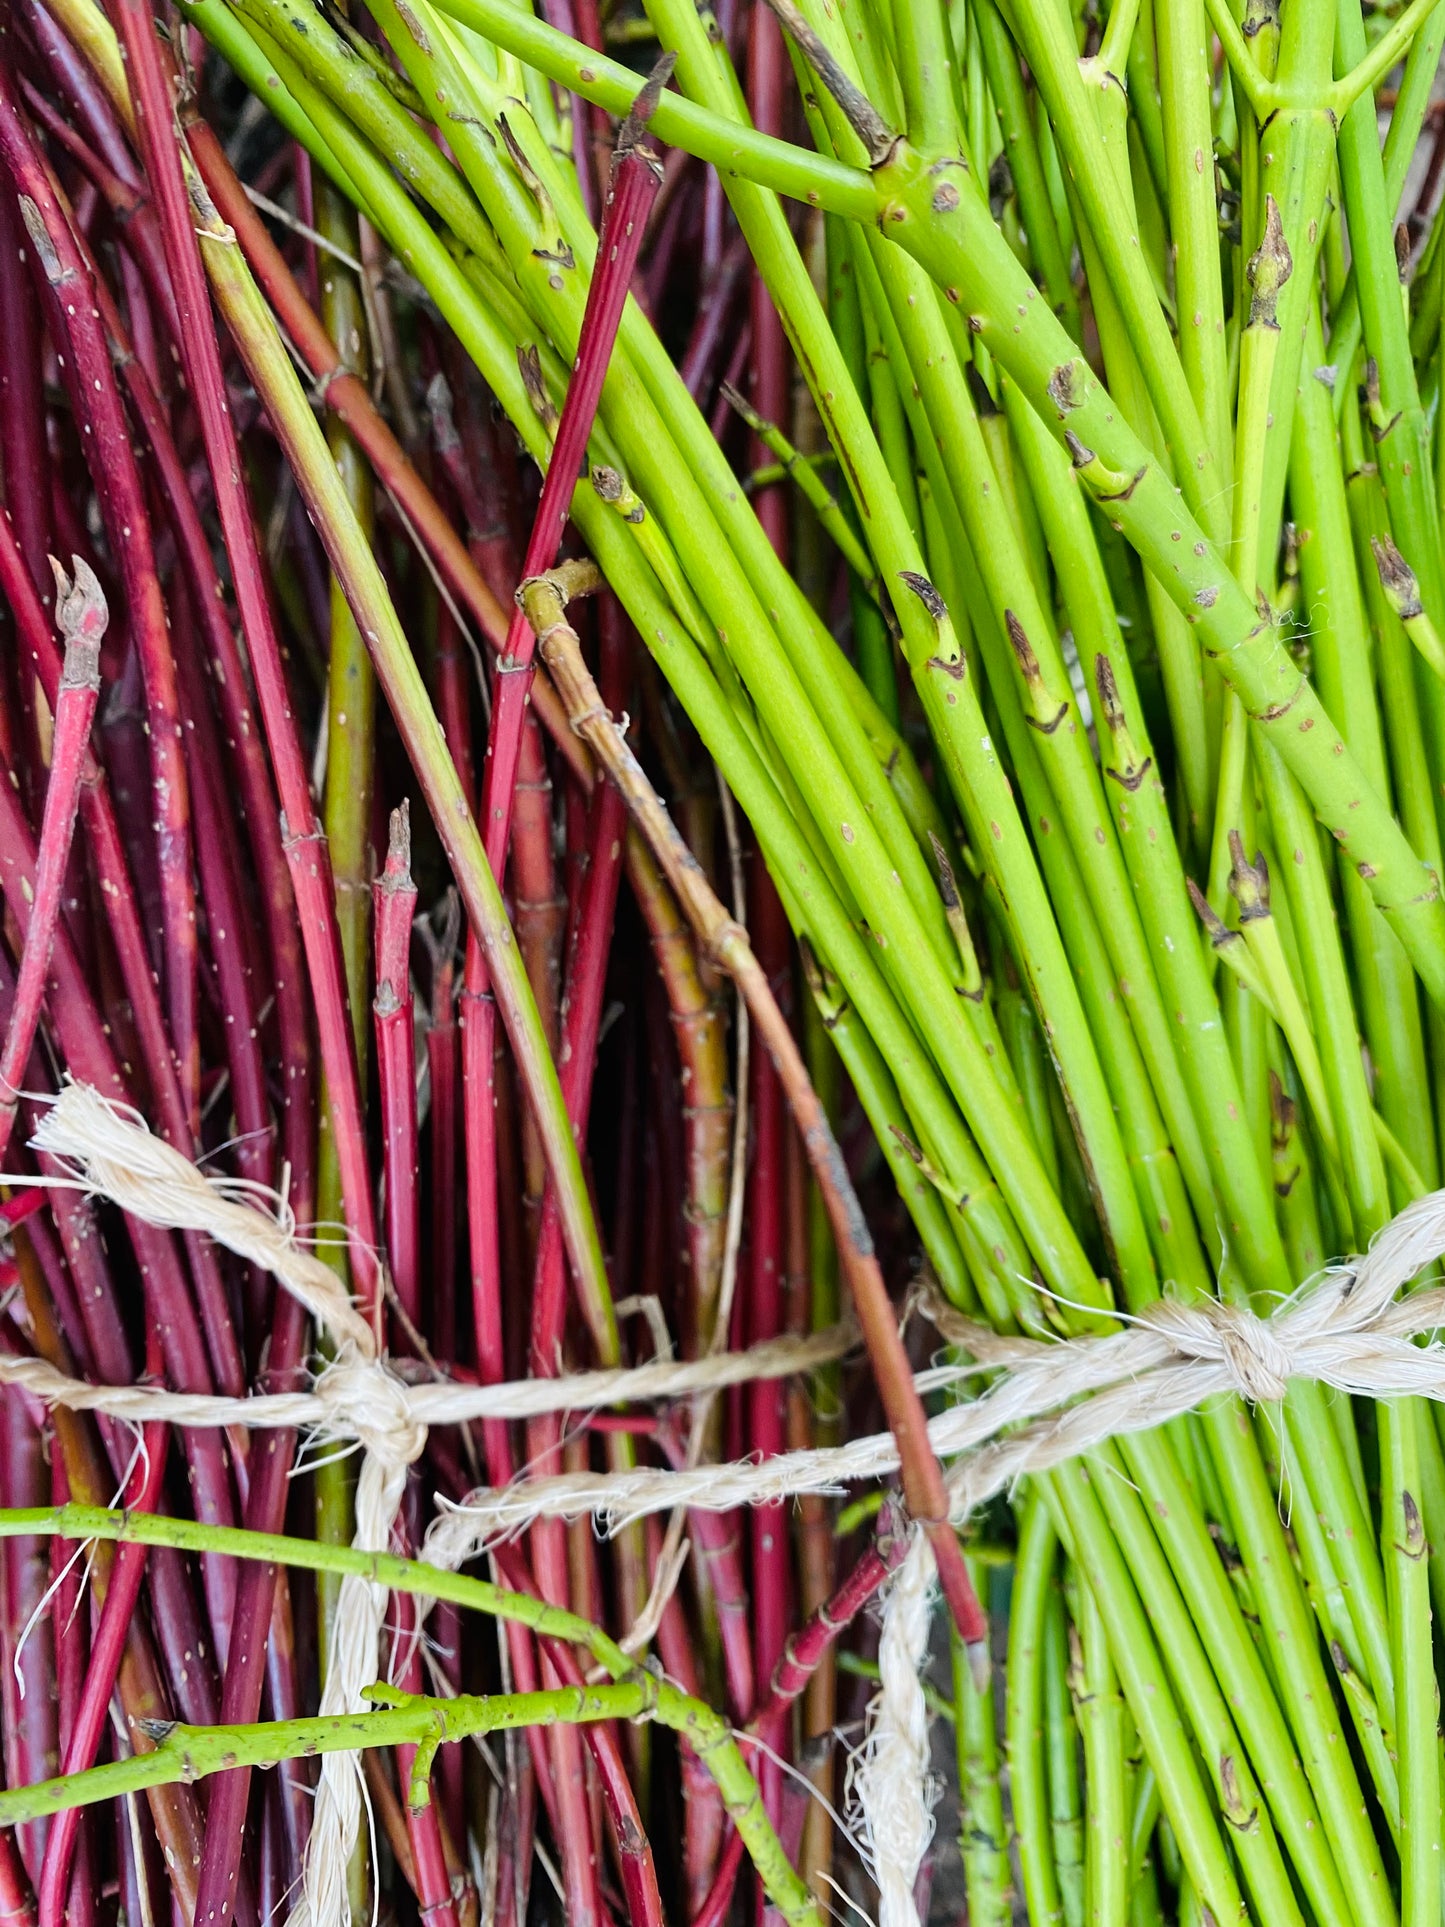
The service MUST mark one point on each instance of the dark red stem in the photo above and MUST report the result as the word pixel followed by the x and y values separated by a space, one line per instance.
pixel 17 1900
pixel 171 1315
pixel 638 1871
pixel 126 1573
pixel 106 439
pixel 636 178
pixel 152 93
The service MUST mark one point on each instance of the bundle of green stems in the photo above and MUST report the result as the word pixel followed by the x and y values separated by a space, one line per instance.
pixel 1110 829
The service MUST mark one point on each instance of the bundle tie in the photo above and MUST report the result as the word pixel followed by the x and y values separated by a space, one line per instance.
pixel 1047 1401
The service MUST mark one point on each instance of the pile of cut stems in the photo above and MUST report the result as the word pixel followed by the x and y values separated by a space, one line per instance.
pixel 1008 435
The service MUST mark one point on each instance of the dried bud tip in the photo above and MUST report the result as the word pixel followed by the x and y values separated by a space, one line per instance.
pixel 1218 932
pixel 1397 578
pixel 519 160
pixel 1269 268
pixel 40 240
pixel 740 405
pixel 979 1664
pixel 1283 1113
pixel 529 363
pixel 1064 385
pixel 932 601
pixel 812 972
pixel 1023 649
pixel 629 138
pixel 439 408
pixel 863 117
pixel 81 616
pixel 1248 882
pixel 948 887
pixel 1108 690
pixel 983 401
pixel 397 873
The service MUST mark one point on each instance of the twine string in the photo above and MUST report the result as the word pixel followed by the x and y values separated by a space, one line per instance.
pixel 892 1788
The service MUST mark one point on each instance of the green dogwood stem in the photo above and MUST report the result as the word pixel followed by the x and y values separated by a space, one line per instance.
pixel 737 151
pixel 187 1753
pixel 705 1732
pixel 955 238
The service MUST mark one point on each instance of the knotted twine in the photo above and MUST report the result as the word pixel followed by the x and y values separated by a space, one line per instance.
pixel 1050 1401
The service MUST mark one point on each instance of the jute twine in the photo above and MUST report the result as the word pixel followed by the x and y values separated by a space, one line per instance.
pixel 1044 1402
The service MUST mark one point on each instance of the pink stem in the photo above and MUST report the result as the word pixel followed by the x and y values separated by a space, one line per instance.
pixel 222 890
pixel 394 898
pixel 435 1902
pixel 767 65
pixel 441 1052
pixel 763 1313
pixel 634 185
pixel 453 677
pixel 720 1568
pixel 29 1722
pixel 129 208
pixel 17 1901
pixel 586 984
pixel 22 401
pixel 582 1013
pixel 21 1205
pixel 23 451
pixel 705 342
pixel 703 1815
pixel 229 674
pixel 37 641
pixel 258 798
pixel 433 1881
pixel 82 615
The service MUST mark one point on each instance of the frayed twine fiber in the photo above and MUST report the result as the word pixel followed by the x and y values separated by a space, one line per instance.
pixel 891 1786
pixel 1047 1402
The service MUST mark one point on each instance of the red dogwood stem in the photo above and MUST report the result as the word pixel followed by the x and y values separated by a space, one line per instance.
pixel 305 847
pixel 81 614
pixel 394 900
pixel 126 1573
pixel 122 500
pixel 800 1659
pixel 636 178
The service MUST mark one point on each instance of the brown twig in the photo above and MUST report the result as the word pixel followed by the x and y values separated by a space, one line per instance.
pixel 545 598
